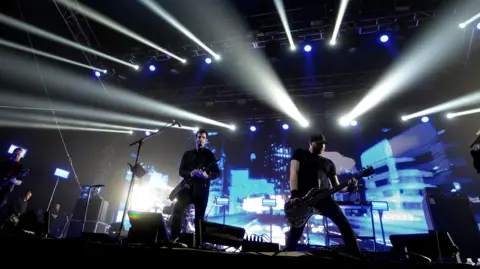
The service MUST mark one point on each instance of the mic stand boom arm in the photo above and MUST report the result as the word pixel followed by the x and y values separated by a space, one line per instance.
pixel 139 144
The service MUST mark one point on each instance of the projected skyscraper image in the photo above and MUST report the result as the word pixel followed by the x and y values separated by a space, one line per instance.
pixel 254 185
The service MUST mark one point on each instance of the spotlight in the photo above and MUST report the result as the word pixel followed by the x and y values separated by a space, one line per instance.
pixel 404 118
pixel 285 126
pixel 233 127
pixel 293 47
pixel 307 48
pixel 152 67
pixel 208 60
pixel 462 25
pixel 253 128
pixel 147 133
pixel 425 119
pixel 478 26
pixel 384 38
pixel 450 116
pixel 98 74
pixel 353 123
pixel 343 121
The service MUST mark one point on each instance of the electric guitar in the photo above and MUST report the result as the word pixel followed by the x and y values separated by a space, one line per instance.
pixel 7 182
pixel 298 211
pixel 186 183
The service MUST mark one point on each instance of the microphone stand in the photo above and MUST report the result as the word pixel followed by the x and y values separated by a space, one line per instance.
pixel 139 143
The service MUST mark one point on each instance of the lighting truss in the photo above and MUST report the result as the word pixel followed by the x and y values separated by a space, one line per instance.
pixel 302 31
pixel 325 86
pixel 81 31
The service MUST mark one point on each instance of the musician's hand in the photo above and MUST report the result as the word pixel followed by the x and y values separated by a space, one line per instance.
pixel 353 186
pixel 202 174
pixel 194 173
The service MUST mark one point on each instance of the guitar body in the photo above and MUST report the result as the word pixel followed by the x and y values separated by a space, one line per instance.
pixel 186 183
pixel 298 211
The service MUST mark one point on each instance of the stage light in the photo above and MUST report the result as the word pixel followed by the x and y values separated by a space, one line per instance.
pixel 307 48
pixel 13 147
pixel 478 26
pixel 353 123
pixel 233 127
pixel 425 119
pixel 147 133
pixel 152 67
pixel 253 128
pixel 285 126
pixel 450 116
pixel 208 60
pixel 61 173
pixel 98 74
pixel 462 25
pixel 384 38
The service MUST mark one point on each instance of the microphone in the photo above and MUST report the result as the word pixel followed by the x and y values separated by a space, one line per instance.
pixel 175 122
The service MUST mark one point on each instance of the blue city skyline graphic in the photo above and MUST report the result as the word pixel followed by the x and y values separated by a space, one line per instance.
pixel 405 165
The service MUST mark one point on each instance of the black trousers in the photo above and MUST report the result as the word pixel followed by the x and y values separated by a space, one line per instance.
pixel 329 209
pixel 199 199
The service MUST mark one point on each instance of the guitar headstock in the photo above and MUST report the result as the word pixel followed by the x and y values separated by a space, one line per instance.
pixel 364 172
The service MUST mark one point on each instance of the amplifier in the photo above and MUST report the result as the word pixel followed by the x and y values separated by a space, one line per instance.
pixel 75 228
pixel 252 246
pixel 97 209
pixel 454 215
pixel 220 234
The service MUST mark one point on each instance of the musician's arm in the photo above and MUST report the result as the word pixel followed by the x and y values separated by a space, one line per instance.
pixel 183 171
pixel 294 165
pixel 332 175
pixel 215 170
pixel 335 182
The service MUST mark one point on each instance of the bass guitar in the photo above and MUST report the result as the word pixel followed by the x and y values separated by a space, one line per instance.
pixel 7 182
pixel 298 211
pixel 186 183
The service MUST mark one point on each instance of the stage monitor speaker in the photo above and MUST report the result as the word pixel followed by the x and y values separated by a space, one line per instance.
pixel 453 214
pixel 147 227
pixel 433 245
pixel 220 234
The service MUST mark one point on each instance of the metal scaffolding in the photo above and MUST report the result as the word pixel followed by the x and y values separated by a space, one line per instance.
pixel 303 31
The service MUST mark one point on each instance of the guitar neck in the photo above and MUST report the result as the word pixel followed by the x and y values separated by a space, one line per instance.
pixel 337 188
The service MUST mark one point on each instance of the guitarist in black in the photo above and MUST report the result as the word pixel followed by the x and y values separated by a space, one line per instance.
pixel 190 167
pixel 9 169
pixel 308 169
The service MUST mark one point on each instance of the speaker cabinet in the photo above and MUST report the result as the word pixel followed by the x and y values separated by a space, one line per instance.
pixel 454 215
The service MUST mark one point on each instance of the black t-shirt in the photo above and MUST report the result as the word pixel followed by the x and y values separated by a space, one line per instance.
pixel 314 171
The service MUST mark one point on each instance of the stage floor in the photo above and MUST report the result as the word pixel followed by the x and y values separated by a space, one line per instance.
pixel 28 249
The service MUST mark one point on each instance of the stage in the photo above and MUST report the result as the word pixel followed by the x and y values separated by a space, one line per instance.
pixel 35 249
